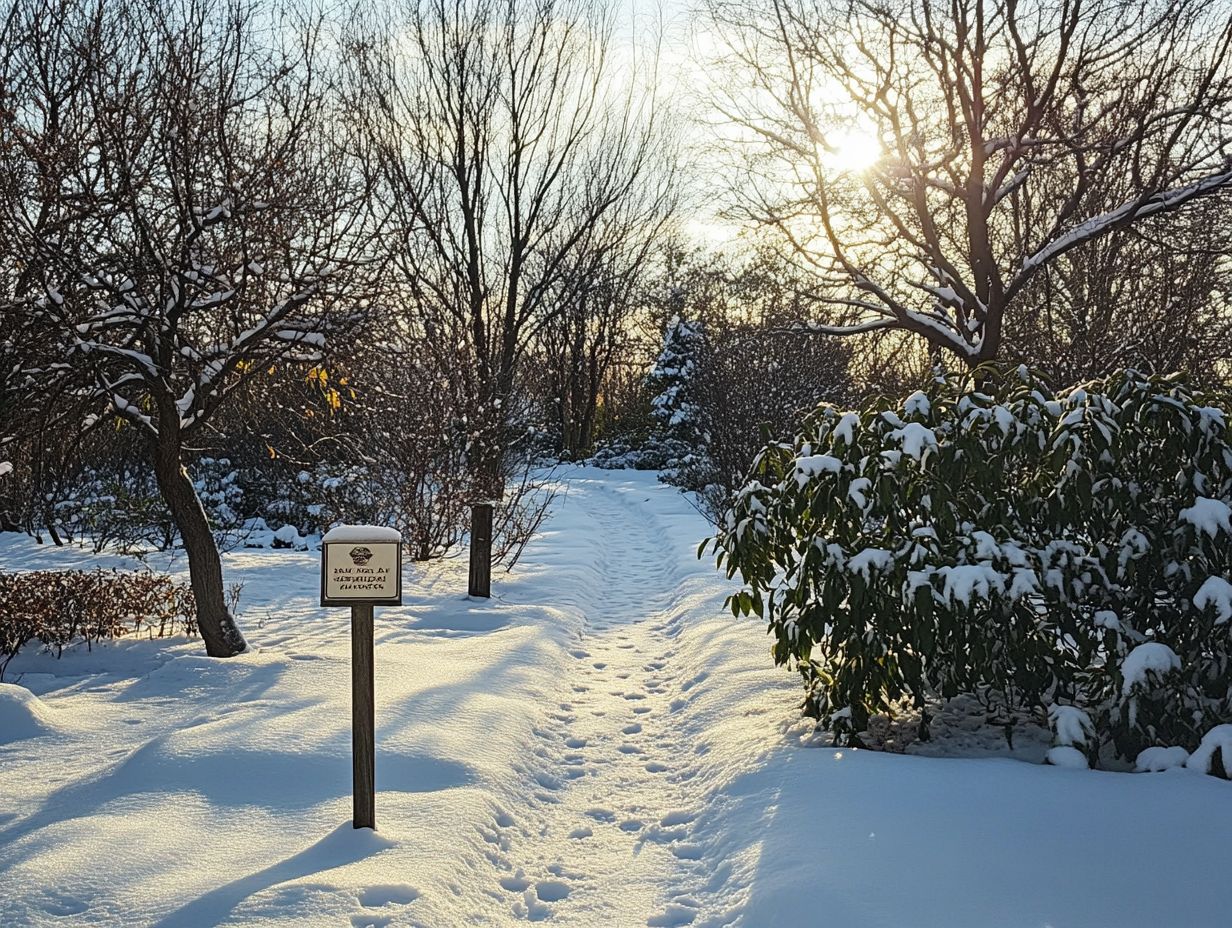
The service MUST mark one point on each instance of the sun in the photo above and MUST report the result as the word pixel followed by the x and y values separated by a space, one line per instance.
pixel 852 150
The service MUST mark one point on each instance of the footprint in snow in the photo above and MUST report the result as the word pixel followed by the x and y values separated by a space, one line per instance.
pixel 673 916
pixel 676 817
pixel 667 835
pixel 386 894
pixel 546 780
pixel 551 890
pixel 62 904
pixel 536 902
pixel 700 678
pixel 517 883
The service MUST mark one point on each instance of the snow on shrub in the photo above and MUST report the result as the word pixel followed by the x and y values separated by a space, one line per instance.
pixel 1160 759
pixel 1064 756
pixel 1214 753
pixel 680 436
pixel 1068 551
pixel 1071 727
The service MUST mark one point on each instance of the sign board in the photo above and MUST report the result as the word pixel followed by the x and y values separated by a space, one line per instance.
pixel 361 567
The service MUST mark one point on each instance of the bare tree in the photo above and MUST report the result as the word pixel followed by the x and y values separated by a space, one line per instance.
pixel 405 432
pixel 187 218
pixel 732 375
pixel 1156 296
pixel 998 136
pixel 580 344
pixel 511 155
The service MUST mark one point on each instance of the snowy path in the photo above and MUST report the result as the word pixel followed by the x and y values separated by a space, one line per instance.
pixel 599 745
pixel 535 759
pixel 611 774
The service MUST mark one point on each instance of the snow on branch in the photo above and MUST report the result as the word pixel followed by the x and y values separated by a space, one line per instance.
pixel 1138 208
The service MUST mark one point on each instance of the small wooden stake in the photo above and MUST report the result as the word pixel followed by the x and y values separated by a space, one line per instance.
pixel 363 717
pixel 481 550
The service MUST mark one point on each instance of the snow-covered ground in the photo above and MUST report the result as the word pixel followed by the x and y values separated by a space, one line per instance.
pixel 601 744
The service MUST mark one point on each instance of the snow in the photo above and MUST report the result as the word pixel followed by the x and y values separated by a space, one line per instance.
pixel 812 465
pixel 1131 209
pixel 1151 657
pixel 1158 760
pixel 601 744
pixel 870 561
pixel 345 534
pixel 857 492
pixel 1215 592
pixel 916 438
pixel 1071 726
pixel 1106 618
pixel 845 428
pixel 1209 516
pixel 288 536
pixel 1066 756
pixel 22 715
pixel 917 404
pixel 1218 739
pixel 966 582
pixel 314 339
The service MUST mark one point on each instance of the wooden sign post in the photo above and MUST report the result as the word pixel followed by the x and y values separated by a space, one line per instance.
pixel 480 577
pixel 361 567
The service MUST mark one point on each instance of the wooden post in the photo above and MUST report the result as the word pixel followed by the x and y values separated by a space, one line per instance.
pixel 363 717
pixel 481 550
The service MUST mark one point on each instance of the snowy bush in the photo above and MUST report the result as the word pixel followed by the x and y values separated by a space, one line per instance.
pixel 221 492
pixel 1214 753
pixel 619 454
pixel 118 508
pixel 1054 550
pixel 728 385
pixel 679 437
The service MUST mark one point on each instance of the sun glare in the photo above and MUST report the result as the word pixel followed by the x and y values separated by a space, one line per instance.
pixel 855 150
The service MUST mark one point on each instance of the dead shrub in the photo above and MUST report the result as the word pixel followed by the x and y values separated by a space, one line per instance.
pixel 59 607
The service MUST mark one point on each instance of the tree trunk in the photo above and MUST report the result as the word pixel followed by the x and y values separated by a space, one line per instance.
pixel 218 629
